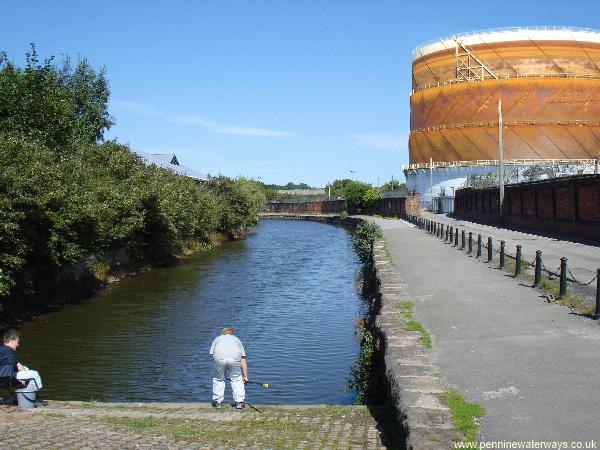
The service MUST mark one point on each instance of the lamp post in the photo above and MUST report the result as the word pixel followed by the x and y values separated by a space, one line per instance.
pixel 501 157
pixel 352 172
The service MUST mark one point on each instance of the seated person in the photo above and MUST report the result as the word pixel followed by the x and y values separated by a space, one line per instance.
pixel 9 366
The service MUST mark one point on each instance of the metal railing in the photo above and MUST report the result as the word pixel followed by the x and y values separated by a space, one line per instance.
pixel 416 51
pixel 586 76
pixel 494 123
pixel 495 162
pixel 475 245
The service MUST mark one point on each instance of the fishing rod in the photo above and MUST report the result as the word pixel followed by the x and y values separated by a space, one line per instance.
pixel 265 385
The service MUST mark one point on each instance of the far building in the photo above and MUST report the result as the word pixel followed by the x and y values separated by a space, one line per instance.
pixel 170 161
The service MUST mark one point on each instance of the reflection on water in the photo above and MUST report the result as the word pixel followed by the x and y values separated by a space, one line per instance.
pixel 289 290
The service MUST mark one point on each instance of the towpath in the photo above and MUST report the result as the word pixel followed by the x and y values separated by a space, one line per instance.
pixel 82 425
pixel 533 365
pixel 583 259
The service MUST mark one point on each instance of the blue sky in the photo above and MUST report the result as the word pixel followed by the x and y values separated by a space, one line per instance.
pixel 281 90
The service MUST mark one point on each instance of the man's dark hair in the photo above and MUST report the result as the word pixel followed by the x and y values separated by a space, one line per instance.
pixel 11 335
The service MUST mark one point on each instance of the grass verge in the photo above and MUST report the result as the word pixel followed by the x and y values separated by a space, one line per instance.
pixel 552 286
pixel 425 336
pixel 463 413
pixel 407 309
pixel 388 253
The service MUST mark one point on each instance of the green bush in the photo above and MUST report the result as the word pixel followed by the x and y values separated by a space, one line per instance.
pixel 371 200
pixel 363 239
pixel 354 193
pixel 241 200
pixel 66 198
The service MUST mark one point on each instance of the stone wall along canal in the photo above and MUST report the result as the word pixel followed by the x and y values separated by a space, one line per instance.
pixel 289 290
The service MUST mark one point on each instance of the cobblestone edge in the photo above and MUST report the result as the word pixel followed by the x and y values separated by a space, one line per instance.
pixel 414 382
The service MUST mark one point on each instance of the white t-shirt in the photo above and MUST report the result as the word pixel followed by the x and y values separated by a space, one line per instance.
pixel 227 346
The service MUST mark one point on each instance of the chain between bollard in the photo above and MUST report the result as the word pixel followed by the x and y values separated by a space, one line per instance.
pixel 576 281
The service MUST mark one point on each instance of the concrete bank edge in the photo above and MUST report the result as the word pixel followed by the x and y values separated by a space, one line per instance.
pixel 414 382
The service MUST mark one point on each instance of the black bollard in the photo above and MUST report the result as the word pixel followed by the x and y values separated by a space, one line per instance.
pixel 462 240
pixel 479 244
pixel 451 235
pixel 470 243
pixel 490 250
pixel 442 230
pixel 563 277
pixel 447 233
pixel 502 255
pixel 538 269
pixel 456 238
pixel 518 260
pixel 597 313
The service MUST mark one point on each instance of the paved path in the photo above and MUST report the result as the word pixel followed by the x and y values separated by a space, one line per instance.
pixel 533 365
pixel 583 259
pixel 76 425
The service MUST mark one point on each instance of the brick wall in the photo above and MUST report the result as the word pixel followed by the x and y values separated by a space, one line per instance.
pixel 568 206
pixel 323 207
pixel 388 207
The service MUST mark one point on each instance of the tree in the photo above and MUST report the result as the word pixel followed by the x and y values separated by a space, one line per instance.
pixel 394 186
pixel 241 200
pixel 354 192
pixel 90 94
pixel 371 200
pixel 338 187
pixel 56 107
pixel 538 172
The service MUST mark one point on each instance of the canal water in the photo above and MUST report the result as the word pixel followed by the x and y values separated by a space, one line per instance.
pixel 289 290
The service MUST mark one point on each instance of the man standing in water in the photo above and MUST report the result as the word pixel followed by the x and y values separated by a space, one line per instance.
pixel 230 363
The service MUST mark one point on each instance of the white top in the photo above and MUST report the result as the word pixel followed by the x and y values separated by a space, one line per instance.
pixel 508 35
pixel 227 346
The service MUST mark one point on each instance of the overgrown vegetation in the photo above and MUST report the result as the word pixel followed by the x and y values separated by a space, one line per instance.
pixel 68 199
pixel 463 414
pixel 551 285
pixel 363 239
pixel 417 326
pixel 362 370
